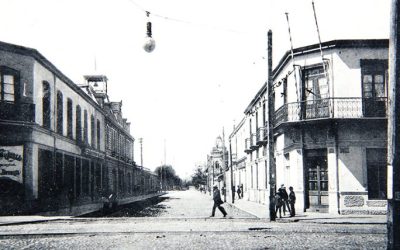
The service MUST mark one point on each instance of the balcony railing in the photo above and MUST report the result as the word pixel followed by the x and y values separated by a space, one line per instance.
pixel 17 111
pixel 253 141
pixel 261 135
pixel 332 108
pixel 247 145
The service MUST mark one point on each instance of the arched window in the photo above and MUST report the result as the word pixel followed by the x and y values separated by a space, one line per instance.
pixel 78 127
pixel 46 111
pixel 98 134
pixel 60 112
pixel 69 118
pixel 85 126
pixel 92 132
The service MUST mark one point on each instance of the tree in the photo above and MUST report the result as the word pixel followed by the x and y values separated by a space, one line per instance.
pixel 199 177
pixel 169 178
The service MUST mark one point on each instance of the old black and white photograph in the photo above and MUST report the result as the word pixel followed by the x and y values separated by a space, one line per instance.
pixel 187 124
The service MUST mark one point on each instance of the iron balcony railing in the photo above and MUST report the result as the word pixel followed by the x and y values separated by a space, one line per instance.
pixel 17 111
pixel 247 145
pixel 253 141
pixel 332 108
pixel 261 135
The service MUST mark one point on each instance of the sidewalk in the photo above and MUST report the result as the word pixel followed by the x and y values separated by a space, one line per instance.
pixel 18 220
pixel 262 211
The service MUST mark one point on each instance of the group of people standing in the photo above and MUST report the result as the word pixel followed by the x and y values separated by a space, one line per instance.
pixel 284 200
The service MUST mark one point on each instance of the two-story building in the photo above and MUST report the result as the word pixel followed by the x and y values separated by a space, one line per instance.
pixel 330 132
pixel 56 147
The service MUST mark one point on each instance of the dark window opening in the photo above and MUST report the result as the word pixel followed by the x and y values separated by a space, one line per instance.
pixel 92 132
pixel 98 134
pixel 60 113
pixel 377 173
pixel 85 126
pixel 69 118
pixel 46 105
pixel 78 126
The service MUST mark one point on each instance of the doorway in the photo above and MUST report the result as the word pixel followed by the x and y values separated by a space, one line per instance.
pixel 316 180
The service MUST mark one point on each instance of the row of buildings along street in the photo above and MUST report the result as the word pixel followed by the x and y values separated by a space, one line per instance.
pixel 62 144
pixel 330 132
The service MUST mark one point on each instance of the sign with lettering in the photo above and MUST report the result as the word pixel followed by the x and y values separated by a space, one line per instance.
pixel 11 162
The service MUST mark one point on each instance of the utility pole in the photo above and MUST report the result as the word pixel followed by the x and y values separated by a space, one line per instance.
pixel 393 213
pixel 231 169
pixel 271 110
pixel 224 161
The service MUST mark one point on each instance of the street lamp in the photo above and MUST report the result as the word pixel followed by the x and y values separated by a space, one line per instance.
pixel 149 44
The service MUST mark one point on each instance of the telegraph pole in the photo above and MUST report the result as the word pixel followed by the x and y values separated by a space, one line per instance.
pixel 271 110
pixel 393 213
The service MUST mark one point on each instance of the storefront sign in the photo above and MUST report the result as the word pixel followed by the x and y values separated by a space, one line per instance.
pixel 11 162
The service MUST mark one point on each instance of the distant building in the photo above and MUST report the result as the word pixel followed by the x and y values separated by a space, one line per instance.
pixel 329 128
pixel 217 162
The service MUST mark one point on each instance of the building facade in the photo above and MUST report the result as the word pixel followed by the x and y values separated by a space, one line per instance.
pixel 217 164
pixel 330 134
pixel 54 147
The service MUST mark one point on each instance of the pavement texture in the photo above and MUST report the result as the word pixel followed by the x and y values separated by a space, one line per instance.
pixel 181 221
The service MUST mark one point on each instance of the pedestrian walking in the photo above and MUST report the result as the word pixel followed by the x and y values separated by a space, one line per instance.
pixel 239 192
pixel 217 202
pixel 284 196
pixel 292 201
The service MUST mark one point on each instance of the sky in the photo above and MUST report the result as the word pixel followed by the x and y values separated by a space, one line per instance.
pixel 209 62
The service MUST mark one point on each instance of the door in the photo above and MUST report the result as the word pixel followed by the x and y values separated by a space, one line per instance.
pixel 374 78
pixel 317 180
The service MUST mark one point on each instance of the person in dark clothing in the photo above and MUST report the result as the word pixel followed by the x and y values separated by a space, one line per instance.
pixel 284 196
pixel 278 204
pixel 217 202
pixel 292 201
pixel 239 192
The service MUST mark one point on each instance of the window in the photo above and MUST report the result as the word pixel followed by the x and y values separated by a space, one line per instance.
pixel 46 94
pixel 69 118
pixel 8 81
pixel 59 112
pixel 98 134
pixel 78 126
pixel 376 173
pixel 374 78
pixel 92 131
pixel 316 85
pixel 85 126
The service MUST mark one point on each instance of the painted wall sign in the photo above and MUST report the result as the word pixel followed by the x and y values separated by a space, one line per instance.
pixel 11 162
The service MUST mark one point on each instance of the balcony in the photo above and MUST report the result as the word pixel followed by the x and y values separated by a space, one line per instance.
pixel 24 112
pixel 339 108
pixel 247 145
pixel 253 141
pixel 261 136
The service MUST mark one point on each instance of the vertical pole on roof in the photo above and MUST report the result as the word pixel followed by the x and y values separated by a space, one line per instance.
pixel 393 178
pixel 271 110
pixel 292 56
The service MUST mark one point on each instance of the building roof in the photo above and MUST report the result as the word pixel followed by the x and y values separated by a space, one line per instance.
pixel 333 44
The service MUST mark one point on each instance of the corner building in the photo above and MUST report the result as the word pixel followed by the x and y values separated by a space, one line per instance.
pixel 330 128
pixel 54 142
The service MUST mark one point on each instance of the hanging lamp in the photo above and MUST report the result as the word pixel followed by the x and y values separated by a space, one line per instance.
pixel 149 44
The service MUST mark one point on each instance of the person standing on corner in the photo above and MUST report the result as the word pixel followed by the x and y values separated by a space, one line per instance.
pixel 217 202
pixel 292 201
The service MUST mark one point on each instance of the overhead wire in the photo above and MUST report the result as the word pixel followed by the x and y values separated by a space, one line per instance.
pixel 186 21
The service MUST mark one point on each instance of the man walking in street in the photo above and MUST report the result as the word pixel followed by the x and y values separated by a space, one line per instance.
pixel 217 202
pixel 292 201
